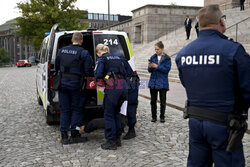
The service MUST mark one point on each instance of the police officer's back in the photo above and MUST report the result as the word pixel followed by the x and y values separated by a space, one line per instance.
pixel 74 63
pixel 215 73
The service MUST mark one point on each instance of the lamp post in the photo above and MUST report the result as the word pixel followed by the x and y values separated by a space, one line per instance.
pixel 108 15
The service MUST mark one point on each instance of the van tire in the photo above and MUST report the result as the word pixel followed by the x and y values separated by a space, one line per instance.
pixel 39 100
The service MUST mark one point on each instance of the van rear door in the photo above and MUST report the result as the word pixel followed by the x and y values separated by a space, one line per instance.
pixel 47 67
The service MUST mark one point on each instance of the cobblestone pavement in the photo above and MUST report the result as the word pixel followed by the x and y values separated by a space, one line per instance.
pixel 26 140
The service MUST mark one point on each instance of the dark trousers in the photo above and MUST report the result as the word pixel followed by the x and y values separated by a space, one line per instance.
pixel 207 145
pixel 113 99
pixel 132 106
pixel 197 32
pixel 94 124
pixel 154 94
pixel 69 100
pixel 242 5
pixel 188 32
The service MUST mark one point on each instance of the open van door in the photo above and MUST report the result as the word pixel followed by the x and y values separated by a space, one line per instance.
pixel 47 71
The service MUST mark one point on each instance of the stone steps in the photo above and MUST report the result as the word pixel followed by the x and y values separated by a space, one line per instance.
pixel 175 40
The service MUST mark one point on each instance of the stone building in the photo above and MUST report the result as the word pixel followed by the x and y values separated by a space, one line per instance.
pixel 14 45
pixel 100 20
pixel 150 22
pixel 225 4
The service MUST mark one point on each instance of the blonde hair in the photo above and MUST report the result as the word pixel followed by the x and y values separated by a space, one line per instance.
pixel 209 15
pixel 102 47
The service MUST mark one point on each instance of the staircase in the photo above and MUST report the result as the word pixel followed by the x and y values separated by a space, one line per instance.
pixel 175 40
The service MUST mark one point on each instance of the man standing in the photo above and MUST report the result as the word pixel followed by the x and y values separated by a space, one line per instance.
pixel 188 26
pixel 216 75
pixel 197 26
pixel 73 62
pixel 242 4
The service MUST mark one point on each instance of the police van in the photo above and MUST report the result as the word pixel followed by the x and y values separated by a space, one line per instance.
pixel 47 96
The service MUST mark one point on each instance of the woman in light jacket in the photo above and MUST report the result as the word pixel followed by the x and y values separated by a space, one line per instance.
pixel 159 66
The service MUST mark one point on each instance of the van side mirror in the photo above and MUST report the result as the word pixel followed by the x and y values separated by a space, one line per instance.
pixel 37 60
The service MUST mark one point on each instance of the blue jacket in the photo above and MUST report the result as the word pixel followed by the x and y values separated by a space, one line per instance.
pixel 213 69
pixel 159 76
pixel 73 59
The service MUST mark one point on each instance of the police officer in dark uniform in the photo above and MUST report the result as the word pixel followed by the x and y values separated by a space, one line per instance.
pixel 133 83
pixel 112 69
pixel 73 62
pixel 216 74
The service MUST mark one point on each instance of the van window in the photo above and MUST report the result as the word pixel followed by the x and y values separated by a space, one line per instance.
pixel 87 44
pixel 43 52
pixel 116 43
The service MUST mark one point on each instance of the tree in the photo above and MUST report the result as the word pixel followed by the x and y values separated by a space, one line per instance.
pixel 38 16
pixel 4 57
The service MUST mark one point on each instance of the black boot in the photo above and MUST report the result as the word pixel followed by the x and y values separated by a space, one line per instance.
pixel 118 142
pixel 76 137
pixel 64 138
pixel 109 145
pixel 131 133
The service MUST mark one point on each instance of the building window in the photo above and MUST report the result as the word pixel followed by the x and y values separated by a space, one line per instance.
pixel 115 18
pixel 105 17
pixel 90 24
pixel 90 16
pixel 111 17
pixel 95 16
pixel 100 16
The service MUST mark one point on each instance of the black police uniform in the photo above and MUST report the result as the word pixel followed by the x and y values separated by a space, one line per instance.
pixel 73 62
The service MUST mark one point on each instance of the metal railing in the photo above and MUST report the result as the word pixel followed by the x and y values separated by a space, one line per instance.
pixel 236 25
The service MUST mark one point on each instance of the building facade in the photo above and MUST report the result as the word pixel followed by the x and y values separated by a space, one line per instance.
pixel 15 46
pixel 100 20
pixel 225 4
pixel 150 22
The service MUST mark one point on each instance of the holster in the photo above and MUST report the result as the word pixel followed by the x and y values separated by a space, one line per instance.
pixel 57 80
pixel 236 129
pixel 236 124
pixel 83 83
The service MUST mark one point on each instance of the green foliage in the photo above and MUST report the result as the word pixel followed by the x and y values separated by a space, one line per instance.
pixel 4 57
pixel 38 16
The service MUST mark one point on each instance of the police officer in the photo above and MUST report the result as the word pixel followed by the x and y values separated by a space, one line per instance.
pixel 214 71
pixel 73 62
pixel 111 68
pixel 133 82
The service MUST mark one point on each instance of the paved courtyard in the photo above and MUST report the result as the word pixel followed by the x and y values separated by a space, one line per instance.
pixel 26 140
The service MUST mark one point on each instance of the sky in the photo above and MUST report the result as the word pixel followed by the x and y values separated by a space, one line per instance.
pixel 9 11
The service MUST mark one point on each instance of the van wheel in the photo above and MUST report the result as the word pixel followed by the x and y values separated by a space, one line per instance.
pixel 39 100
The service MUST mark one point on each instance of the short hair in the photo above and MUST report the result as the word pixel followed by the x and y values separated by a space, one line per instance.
pixel 209 15
pixel 77 36
pixel 102 47
pixel 160 45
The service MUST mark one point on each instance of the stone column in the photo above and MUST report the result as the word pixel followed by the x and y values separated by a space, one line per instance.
pixel 26 51
pixel 20 48
pixel 15 50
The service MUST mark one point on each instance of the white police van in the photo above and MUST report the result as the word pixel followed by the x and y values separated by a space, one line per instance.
pixel 47 96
